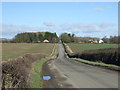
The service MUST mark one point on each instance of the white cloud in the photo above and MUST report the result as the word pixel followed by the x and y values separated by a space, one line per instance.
pixel 77 28
pixel 98 9
pixel 88 29
pixel 106 25
pixel 11 30
pixel 48 23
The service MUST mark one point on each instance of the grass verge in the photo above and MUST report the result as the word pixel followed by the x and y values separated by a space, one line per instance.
pixel 36 77
pixel 110 66
pixel 36 80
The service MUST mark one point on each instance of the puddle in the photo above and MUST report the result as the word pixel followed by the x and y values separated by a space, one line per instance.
pixel 46 77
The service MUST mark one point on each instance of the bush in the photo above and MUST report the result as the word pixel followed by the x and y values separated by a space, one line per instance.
pixel 106 55
pixel 15 73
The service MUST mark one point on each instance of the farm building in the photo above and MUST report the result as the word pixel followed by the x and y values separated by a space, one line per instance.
pixel 101 41
pixel 46 41
pixel 93 41
pixel 39 41
pixel 90 41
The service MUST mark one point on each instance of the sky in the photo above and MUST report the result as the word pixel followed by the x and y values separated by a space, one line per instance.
pixel 84 19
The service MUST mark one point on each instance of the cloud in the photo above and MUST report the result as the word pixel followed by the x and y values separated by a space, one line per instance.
pixel 89 28
pixel 15 29
pixel 81 29
pixel 11 30
pixel 48 23
pixel 98 9
pixel 77 28
pixel 106 25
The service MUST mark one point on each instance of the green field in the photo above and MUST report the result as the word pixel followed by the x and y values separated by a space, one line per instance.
pixel 13 50
pixel 80 47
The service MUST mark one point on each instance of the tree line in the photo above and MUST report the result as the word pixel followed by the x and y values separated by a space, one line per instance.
pixel 69 38
pixel 28 37
pixel 32 37
pixel 112 39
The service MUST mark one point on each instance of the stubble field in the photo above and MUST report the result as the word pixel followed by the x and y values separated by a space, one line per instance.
pixel 13 50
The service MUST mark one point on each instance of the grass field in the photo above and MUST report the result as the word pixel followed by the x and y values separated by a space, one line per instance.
pixel 80 47
pixel 13 50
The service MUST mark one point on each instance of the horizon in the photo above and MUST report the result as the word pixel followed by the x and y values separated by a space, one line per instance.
pixel 58 35
pixel 84 19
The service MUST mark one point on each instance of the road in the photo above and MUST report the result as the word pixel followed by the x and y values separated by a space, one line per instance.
pixel 67 73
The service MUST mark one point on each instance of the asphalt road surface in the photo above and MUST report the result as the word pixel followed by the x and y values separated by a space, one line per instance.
pixel 67 73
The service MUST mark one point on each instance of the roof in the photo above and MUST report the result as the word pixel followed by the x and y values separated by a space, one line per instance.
pixel 101 41
pixel 45 40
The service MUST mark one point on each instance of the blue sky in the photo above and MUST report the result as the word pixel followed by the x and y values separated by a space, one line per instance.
pixel 94 19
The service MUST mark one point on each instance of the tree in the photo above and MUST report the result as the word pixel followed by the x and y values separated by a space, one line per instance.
pixel 40 37
pixel 72 38
pixel 35 37
pixel 114 39
pixel 52 37
pixel 65 38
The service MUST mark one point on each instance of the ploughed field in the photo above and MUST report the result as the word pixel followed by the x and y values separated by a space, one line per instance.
pixel 13 50
pixel 81 47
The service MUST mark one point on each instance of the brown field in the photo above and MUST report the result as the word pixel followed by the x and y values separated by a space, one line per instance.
pixel 13 50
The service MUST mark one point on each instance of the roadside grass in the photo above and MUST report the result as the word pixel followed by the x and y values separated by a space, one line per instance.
pixel 81 47
pixel 98 63
pixel 36 77
pixel 13 50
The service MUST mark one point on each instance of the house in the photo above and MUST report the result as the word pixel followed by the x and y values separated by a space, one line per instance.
pixel 101 41
pixel 95 41
pixel 80 42
pixel 46 41
pixel 90 41
pixel 39 41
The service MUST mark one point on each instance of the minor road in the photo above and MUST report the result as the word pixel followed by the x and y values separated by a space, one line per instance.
pixel 68 73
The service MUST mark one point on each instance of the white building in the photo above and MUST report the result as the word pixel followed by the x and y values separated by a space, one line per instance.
pixel 101 41
pixel 46 41
pixel 39 41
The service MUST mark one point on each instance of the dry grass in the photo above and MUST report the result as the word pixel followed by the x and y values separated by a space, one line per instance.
pixel 13 50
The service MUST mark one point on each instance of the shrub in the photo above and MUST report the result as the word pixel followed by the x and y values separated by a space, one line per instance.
pixel 106 55
pixel 15 73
